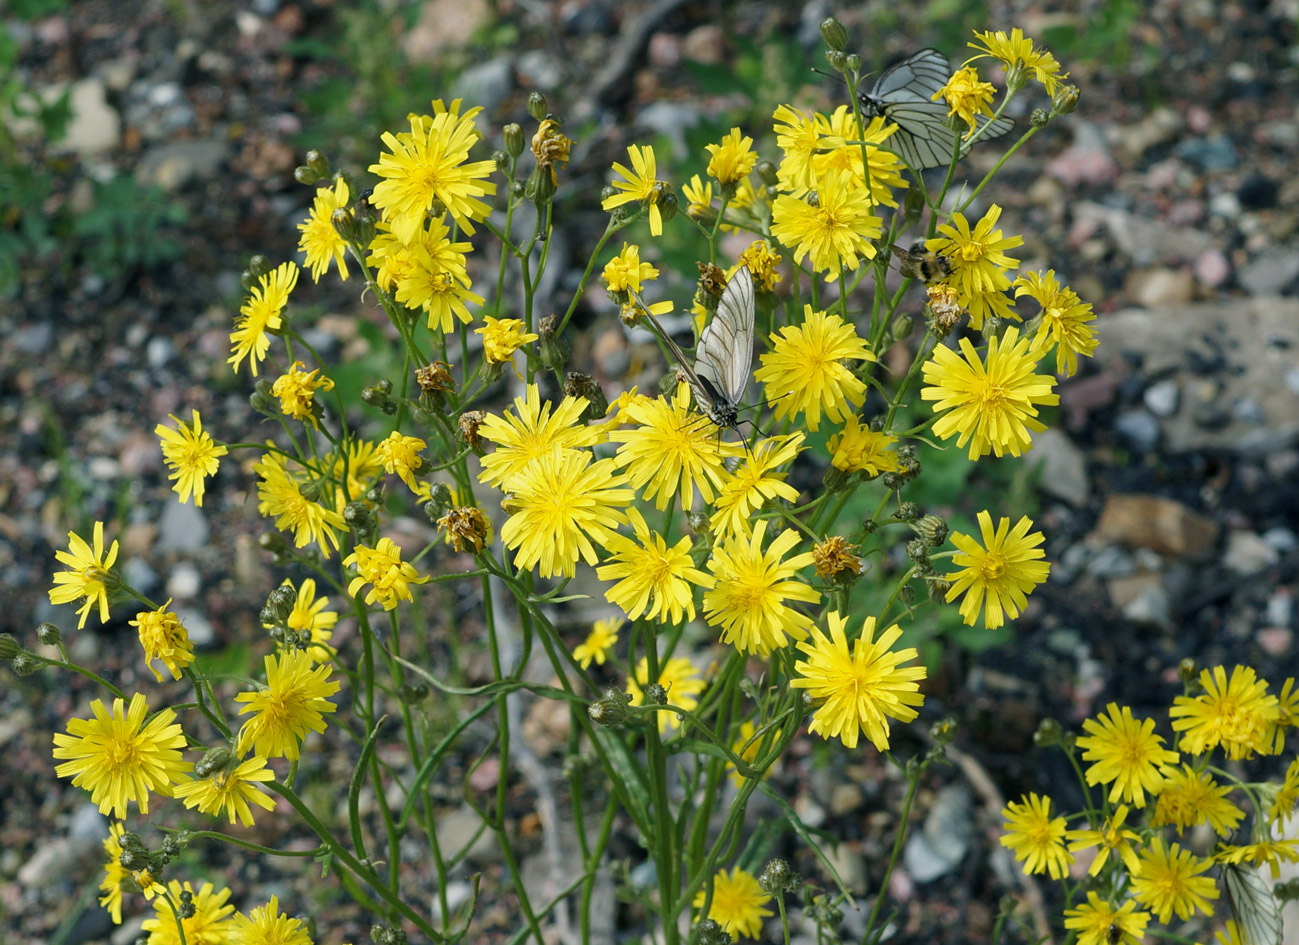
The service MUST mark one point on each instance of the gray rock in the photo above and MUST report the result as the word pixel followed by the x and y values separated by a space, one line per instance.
pixel 140 575
pixel 1063 471
pixel 95 126
pixel 941 845
pixel 33 339
pixel 172 166
pixel 1147 242
pixel 1282 539
pixel 159 352
pixel 850 865
pixel 184 582
pixel 537 69
pixel 1248 553
pixel 182 527
pixel 670 119
pixel 487 83
pixel 1139 429
pixel 1271 272
pixel 1162 398
pixel 457 830
pixel 201 632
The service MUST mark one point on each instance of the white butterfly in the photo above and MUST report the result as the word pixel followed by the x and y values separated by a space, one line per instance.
pixel 904 95
pixel 1258 917
pixel 724 354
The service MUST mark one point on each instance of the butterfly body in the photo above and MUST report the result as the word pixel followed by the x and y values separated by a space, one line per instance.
pixel 904 94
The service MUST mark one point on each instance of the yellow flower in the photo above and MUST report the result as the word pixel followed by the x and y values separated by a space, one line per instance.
pixel 466 525
pixel 835 232
pixel 533 431
pixel 230 790
pixel 653 579
pixel 804 372
pixel 1287 795
pixel 761 261
pixel 799 139
pixel 1264 850
pixel 732 160
pixel 737 904
pixel 312 621
pixel 993 405
pixel 1128 755
pixel 857 448
pixel 699 201
pixel 757 481
pixel 550 147
pixel 428 165
pixel 967 97
pixel 560 503
pixel 165 639
pixel 1168 881
pixel 602 638
pixel 858 690
pixel 748 600
pixel 639 184
pixel 119 757
pixel 671 451
pixel 1111 837
pixel 297 393
pixel 115 874
pixel 998 575
pixel 1018 55
pixel 1236 713
pixel 1064 318
pixel 382 568
pixel 87 575
pixel 436 281
pixel 979 263
pixel 266 925
pixel 280 495
pixel 1036 839
pixel 679 679
pixel 625 272
pixel 261 314
pixel 1099 923
pixel 746 745
pixel 293 702
pixel 1188 798
pixel 502 337
pixel 839 150
pixel 400 454
pixel 192 455
pixel 320 241
pixel 209 925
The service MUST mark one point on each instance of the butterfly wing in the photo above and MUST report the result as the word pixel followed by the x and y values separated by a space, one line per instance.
pixel 725 351
pixel 1257 915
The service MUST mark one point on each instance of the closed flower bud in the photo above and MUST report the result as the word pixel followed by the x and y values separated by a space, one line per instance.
pixel 537 106
pixel 9 647
pixel 656 694
pixel 943 731
pixel 514 140
pixel 258 266
pixel 767 172
pixel 892 481
pixel 440 499
pixel 667 201
pixel 908 512
pixel 24 663
pixel 344 224
pixel 610 709
pixel 993 327
pixel 836 480
pixel 918 550
pixel 1066 99
pixel 171 846
pixel 380 396
pixel 215 761
pixel 938 588
pixel 777 878
pixel 1039 117
pixel 711 932
pixel 837 59
pixel 554 350
pixel 913 205
pixel 502 161
pixel 358 516
pixel 932 528
pixel 1048 733
pixel 262 400
pixel 272 542
pixel 49 634
pixel 901 327
pixel 318 163
pixel 583 385
pixel 279 603
pixel 854 63
pixel 413 693
pixel 1187 670
pixel 305 175
pixel 832 31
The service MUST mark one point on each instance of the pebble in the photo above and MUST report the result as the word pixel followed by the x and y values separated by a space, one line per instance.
pixel 159 352
pixel 95 126
pixel 182 527
pixel 487 83
pixel 845 798
pixel 184 581
pixel 941 844
pixel 1162 397
pixel 850 866
pixel 1064 467
pixel 1139 429
pixel 1247 553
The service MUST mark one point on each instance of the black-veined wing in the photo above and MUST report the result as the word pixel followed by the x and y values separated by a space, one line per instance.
pixel 1258 917
pixel 725 352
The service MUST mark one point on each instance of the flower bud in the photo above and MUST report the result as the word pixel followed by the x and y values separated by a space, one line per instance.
pixel 854 63
pixel 836 480
pixel 215 761
pixel 656 694
pixel 931 528
pixel 24 663
pixel 918 550
pixel 379 395
pixel 305 175
pixel 583 385
pixel 344 224
pixel 1186 670
pixel 837 59
pixel 835 36
pixel 9 647
pixel 554 350
pixel 908 512
pixel 938 588
pixel 358 516
pixel 1048 733
pixel 667 201
pixel 1039 117
pixel 1065 100
pixel 258 266
pixel 777 878
pixel 49 634
pixel 318 163
pixel 900 330
pixel 537 106
pixel 610 709
pixel 767 172
pixel 413 693
pixel 512 135
pixel 279 604
pixel 502 160
pixel 943 731
pixel 711 932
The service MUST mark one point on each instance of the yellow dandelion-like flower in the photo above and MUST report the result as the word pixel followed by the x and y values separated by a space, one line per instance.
pixel 383 570
pixel 1099 923
pixel 602 638
pixel 119 757
pixel 440 285
pixel 532 430
pixel 191 454
pixel 858 689
pixel 979 263
pixel 1018 54
pixel 260 315
pixel 1188 798
pixel 164 639
pixel 840 150
pixel 967 97
pixel 804 372
pixel 738 903
pixel 400 454
pixel 835 559
pixel 757 481
pixel 320 241
pixel 748 600
pixel 1287 795
pixel 857 448
pixel 654 580
pixel 293 702
pixel 560 503
pixel 639 184
pixel 231 790
pixel 679 679
pixel 502 337
pixel 1111 837
pixel 1168 881
pixel 732 159
pixel 115 874
pixel 297 393
pixel 835 233
pixel 625 272
pixel 1064 321
pixel 209 925
pixel 266 925
pixel 799 139
pixel 671 451
pixel 1264 851
pixel 87 575
pixel 427 165
pixel 1236 713
pixel 465 526
pixel 993 405
pixel 699 202
pixel 998 575
pixel 1036 839
pixel 1127 755
pixel 312 620
pixel 280 496
pixel 762 262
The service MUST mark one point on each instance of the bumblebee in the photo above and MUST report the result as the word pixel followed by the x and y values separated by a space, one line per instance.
pixel 923 264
